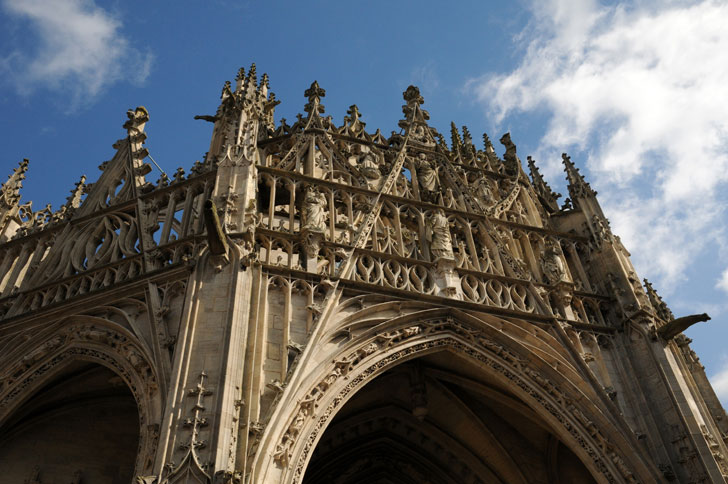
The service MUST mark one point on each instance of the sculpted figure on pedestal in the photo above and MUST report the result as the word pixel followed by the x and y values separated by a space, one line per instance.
pixel 427 177
pixel 552 265
pixel 369 168
pixel 314 211
pixel 438 235
pixel 484 192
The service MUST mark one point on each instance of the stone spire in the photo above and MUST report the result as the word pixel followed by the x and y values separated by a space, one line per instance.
pixel 455 139
pixel 9 201
pixel 251 82
pixel 490 154
pixel 547 196
pixel 10 190
pixel 416 118
pixel 578 187
pixel 663 311
pixel 73 201
pixel 240 79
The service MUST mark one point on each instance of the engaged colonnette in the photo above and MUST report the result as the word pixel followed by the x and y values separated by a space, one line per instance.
pixel 318 303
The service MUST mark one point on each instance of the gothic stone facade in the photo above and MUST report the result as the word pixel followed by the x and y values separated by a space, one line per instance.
pixel 318 303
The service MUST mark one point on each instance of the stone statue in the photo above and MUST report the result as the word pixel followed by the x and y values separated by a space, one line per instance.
pixel 314 211
pixel 552 265
pixel 484 192
pixel 369 168
pixel 426 176
pixel 438 235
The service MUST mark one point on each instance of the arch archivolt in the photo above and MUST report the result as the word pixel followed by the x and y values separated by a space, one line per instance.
pixel 97 341
pixel 570 413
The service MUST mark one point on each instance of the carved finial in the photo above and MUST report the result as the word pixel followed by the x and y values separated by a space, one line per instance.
pixel 578 187
pixel 353 113
pixel 415 118
pixel 547 196
pixel 137 119
pixel 74 200
pixel 226 91
pixel 455 139
pixel 252 76
pixel 179 175
pixel 239 80
pixel 352 119
pixel 467 138
pixel 10 190
pixel 490 156
pixel 314 95
pixel 265 81
pixel 412 95
pixel 486 142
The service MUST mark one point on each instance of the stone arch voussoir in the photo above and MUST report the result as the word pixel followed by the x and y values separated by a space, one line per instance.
pixel 97 341
pixel 574 418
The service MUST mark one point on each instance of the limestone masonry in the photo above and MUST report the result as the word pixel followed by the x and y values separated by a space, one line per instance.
pixel 319 303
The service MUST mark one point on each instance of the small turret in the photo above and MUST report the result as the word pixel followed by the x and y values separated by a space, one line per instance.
pixel 10 190
pixel 547 196
pixel 10 200
pixel 578 187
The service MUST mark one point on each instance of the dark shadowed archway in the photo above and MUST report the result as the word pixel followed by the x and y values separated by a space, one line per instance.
pixel 436 419
pixel 83 423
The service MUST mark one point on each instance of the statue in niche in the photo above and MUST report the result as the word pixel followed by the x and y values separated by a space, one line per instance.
pixel 438 235
pixel 369 168
pixel 427 177
pixel 484 192
pixel 314 211
pixel 409 240
pixel 552 264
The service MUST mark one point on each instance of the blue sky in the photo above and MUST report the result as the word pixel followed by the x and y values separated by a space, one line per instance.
pixel 634 91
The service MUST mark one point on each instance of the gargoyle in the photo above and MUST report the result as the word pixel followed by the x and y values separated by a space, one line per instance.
pixel 677 326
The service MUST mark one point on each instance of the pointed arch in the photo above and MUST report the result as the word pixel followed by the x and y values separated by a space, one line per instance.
pixel 97 341
pixel 538 373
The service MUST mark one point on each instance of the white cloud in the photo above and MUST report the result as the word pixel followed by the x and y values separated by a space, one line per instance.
pixel 74 46
pixel 723 281
pixel 719 381
pixel 425 77
pixel 639 88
